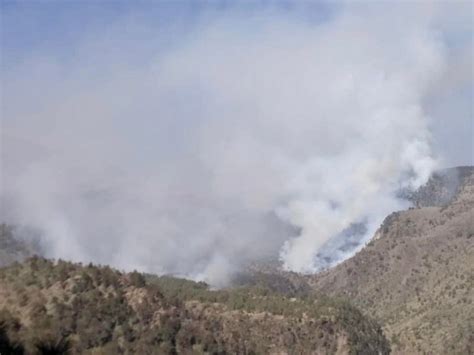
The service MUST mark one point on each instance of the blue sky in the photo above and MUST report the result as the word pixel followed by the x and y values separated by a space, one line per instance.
pixel 57 26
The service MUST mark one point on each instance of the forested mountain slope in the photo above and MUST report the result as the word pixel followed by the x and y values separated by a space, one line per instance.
pixel 417 275
pixel 70 308
pixel 415 278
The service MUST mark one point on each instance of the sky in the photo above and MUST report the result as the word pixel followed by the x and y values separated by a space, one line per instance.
pixel 194 137
pixel 55 29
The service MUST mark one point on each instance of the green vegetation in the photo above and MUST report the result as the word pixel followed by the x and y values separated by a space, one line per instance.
pixel 61 307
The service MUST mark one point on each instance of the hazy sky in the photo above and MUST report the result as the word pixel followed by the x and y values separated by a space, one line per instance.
pixel 194 137
pixel 138 29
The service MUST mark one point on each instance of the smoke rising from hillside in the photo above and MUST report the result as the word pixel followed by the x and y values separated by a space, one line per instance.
pixel 251 138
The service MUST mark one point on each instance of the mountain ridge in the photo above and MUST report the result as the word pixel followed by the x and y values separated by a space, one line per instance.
pixel 415 278
pixel 66 308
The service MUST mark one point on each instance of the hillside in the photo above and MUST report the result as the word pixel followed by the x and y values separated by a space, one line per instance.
pixel 442 187
pixel 416 278
pixel 70 308
pixel 417 275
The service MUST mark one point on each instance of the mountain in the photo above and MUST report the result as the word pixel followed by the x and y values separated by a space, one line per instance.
pixel 415 278
pixel 51 307
pixel 417 275
pixel 442 187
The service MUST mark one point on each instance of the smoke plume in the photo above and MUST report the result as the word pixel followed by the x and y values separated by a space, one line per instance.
pixel 250 137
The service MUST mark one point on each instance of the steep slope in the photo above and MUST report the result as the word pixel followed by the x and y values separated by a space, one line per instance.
pixel 97 310
pixel 417 275
pixel 442 187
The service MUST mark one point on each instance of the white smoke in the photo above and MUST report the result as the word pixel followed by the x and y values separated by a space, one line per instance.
pixel 251 138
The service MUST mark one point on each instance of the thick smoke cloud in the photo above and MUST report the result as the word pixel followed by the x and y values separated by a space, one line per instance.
pixel 250 138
